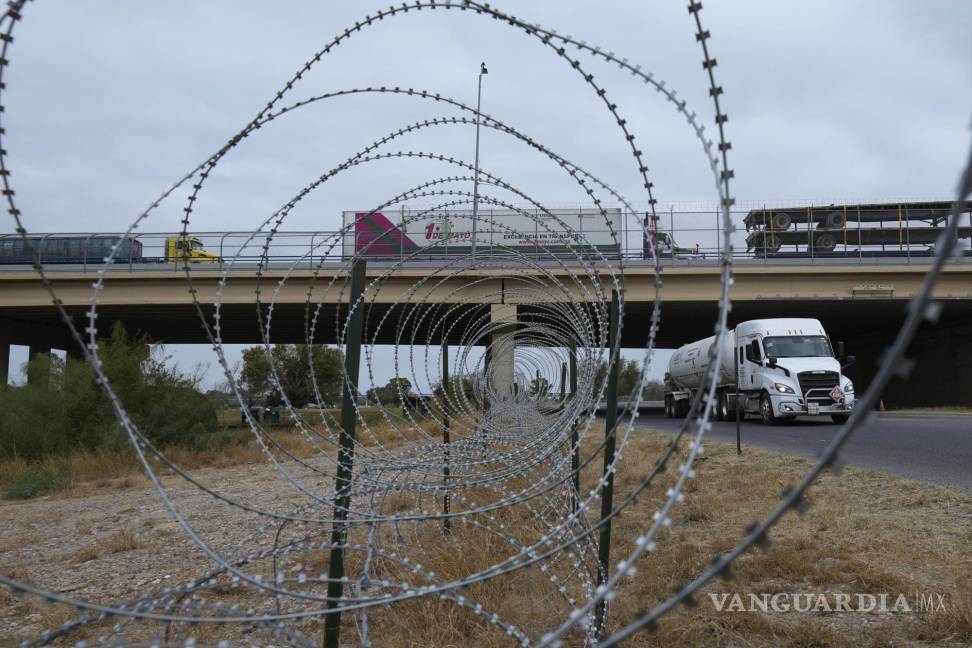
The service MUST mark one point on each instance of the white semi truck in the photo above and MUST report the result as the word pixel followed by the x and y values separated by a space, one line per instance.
pixel 780 368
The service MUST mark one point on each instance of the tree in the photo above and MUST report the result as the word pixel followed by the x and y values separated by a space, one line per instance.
pixel 292 363
pixel 391 393
pixel 629 371
pixel 62 407
pixel 462 394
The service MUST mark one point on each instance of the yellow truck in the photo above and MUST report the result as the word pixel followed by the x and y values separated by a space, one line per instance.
pixel 188 248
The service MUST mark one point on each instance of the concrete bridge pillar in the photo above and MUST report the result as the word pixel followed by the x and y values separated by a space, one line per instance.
pixel 502 349
pixel 4 358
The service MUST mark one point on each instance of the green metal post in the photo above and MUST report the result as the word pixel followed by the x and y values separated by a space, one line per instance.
pixel 739 408
pixel 487 358
pixel 575 457
pixel 610 436
pixel 447 523
pixel 342 483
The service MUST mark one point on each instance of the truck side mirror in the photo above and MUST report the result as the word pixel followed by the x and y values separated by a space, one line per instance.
pixel 757 355
pixel 841 352
pixel 771 362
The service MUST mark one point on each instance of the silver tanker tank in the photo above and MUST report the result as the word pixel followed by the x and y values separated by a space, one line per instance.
pixel 688 364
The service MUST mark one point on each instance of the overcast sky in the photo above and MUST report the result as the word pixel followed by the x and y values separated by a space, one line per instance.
pixel 108 102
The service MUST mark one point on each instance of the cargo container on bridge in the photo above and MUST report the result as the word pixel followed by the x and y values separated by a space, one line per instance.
pixel 422 234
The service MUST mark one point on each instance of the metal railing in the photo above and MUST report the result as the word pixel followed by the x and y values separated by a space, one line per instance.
pixel 684 238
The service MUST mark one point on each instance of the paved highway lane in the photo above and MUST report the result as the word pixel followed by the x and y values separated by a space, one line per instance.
pixel 934 448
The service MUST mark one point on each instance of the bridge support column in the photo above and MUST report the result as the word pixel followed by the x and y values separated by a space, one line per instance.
pixel 502 349
pixel 4 358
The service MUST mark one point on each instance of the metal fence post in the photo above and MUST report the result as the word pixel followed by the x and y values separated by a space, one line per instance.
pixel 342 482
pixel 717 238
pixel 907 233
pixel 765 248
pixel 487 357
pixel 446 522
pixel 739 407
pixel 84 264
pixel 575 457
pixel 810 231
pixel 610 436
pixel 845 230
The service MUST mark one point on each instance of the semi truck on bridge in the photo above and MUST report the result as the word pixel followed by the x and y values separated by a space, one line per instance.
pixel 776 369
pixel 93 248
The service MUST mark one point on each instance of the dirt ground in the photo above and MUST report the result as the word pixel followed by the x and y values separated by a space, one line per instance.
pixel 864 532
pixel 118 541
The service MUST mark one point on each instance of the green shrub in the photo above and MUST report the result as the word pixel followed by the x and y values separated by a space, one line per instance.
pixel 62 408
pixel 222 439
pixel 23 480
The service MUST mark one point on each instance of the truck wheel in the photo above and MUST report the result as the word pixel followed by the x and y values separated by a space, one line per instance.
pixel 681 408
pixel 825 242
pixel 728 406
pixel 668 407
pixel 766 410
pixel 720 408
pixel 839 419
pixel 780 222
pixel 833 220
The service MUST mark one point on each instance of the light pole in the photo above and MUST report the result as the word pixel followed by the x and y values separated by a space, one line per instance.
pixel 475 216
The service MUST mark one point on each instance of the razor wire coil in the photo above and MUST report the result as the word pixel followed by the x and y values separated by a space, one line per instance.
pixel 510 455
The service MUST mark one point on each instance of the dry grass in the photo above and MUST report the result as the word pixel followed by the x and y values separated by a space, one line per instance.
pixel 863 532
pixel 118 542
pixel 83 472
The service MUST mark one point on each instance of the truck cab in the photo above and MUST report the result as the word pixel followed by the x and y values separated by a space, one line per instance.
pixel 668 249
pixel 777 369
pixel 188 248
pixel 787 367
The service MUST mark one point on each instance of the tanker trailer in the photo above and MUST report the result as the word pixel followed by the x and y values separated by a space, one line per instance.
pixel 779 369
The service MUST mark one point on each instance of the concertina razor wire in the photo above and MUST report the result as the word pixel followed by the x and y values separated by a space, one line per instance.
pixel 478 463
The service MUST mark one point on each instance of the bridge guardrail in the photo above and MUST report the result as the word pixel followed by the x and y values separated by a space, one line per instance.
pixel 769 237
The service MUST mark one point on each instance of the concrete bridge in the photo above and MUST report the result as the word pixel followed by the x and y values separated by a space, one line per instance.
pixel 862 304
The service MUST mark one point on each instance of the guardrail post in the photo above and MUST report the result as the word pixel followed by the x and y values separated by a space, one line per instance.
pixel 342 482
pixel 446 522
pixel 84 259
pixel 907 233
pixel 40 249
pixel 607 475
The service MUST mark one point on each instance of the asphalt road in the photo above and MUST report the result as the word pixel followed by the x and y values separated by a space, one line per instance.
pixel 935 448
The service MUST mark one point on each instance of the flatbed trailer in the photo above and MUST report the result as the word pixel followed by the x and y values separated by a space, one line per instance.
pixel 769 242
pixel 835 216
